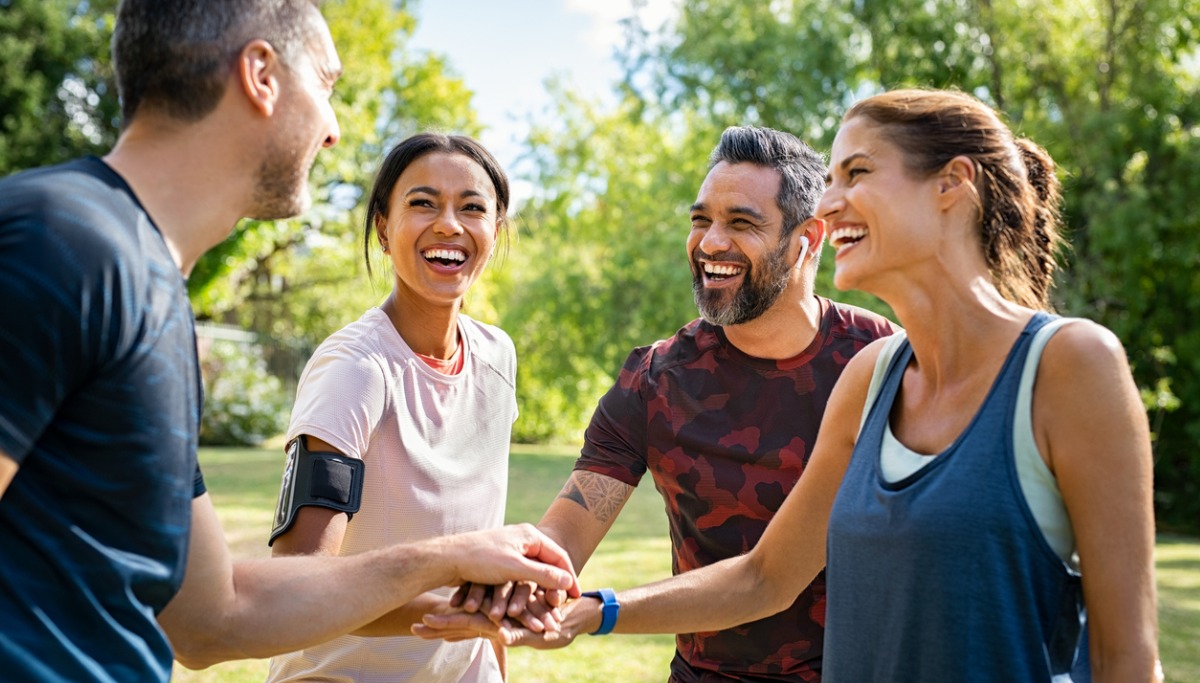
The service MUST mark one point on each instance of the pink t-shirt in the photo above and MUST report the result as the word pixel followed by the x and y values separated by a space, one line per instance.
pixel 435 448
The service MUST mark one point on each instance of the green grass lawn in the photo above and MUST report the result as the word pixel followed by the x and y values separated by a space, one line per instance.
pixel 243 484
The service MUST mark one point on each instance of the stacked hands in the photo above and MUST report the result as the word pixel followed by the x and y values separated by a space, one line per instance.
pixel 513 613
pixel 520 613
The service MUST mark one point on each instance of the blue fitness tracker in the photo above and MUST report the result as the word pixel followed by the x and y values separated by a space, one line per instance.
pixel 608 610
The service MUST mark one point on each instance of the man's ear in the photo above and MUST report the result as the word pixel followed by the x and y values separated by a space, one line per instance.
pixel 258 66
pixel 809 235
pixel 814 230
pixel 956 178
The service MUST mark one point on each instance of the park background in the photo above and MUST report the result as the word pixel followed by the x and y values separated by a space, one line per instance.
pixel 605 171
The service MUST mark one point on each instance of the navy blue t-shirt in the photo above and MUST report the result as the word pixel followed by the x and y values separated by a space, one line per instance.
pixel 100 402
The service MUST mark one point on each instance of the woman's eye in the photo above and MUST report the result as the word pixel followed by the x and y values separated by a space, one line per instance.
pixel 855 172
pixel 420 202
pixel 475 207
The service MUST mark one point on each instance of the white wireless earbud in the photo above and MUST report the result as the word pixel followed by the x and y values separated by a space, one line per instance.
pixel 803 250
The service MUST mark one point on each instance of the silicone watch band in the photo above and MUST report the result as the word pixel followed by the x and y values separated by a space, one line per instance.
pixel 608 610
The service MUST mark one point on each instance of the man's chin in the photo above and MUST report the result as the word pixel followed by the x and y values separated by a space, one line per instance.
pixel 280 209
pixel 715 314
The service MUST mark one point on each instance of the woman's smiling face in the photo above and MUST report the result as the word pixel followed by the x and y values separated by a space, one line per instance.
pixel 440 228
pixel 878 213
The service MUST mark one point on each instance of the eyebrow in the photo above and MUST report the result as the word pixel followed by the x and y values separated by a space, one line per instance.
pixel 747 211
pixel 329 73
pixel 846 162
pixel 437 193
pixel 743 210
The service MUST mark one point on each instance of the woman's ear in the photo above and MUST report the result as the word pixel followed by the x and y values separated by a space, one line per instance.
pixel 957 179
pixel 381 231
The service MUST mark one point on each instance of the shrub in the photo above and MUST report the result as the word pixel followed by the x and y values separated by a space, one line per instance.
pixel 244 403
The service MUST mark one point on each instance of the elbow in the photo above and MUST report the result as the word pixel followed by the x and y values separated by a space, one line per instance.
pixel 196 651
pixel 1143 665
pixel 775 582
pixel 777 600
pixel 770 594
pixel 1133 657
pixel 195 658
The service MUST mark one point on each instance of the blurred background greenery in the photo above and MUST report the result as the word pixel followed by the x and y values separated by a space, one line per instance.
pixel 1108 86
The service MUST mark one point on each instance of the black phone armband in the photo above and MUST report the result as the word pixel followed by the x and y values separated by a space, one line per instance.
pixel 329 480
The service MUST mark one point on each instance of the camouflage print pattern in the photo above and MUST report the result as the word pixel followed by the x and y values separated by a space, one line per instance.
pixel 725 437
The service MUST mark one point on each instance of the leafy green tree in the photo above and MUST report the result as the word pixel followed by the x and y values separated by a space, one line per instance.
pixel 1110 87
pixel 57 98
pixel 296 281
pixel 601 266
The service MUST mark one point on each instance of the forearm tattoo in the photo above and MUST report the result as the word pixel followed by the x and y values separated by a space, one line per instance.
pixel 600 495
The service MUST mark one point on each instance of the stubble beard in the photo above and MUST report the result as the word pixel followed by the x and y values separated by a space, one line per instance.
pixel 757 294
pixel 281 189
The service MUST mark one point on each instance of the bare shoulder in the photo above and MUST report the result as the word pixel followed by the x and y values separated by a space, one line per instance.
pixel 870 352
pixel 1086 405
pixel 1081 350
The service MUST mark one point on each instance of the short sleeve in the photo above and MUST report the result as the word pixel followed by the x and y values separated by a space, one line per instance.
pixel 198 487
pixel 50 307
pixel 615 441
pixel 340 398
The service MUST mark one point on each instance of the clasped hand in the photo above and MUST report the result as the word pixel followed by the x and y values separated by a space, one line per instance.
pixel 513 614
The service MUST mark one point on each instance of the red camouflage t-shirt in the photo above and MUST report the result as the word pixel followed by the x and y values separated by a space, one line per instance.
pixel 726 436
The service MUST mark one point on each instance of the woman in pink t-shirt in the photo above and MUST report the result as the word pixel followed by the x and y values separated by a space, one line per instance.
pixel 409 408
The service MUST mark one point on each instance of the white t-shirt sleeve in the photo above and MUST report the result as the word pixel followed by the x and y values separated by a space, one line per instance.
pixel 340 399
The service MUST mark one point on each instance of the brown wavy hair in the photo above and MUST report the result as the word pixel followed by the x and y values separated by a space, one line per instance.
pixel 1019 196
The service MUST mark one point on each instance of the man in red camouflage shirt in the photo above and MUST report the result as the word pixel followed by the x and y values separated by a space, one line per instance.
pixel 724 413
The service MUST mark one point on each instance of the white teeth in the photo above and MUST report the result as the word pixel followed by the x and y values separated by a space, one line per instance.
pixel 842 236
pixel 445 254
pixel 714 269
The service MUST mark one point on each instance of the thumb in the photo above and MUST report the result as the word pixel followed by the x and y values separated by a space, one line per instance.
pixel 549 577
pixel 553 565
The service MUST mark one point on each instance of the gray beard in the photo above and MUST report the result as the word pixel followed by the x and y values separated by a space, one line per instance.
pixel 756 295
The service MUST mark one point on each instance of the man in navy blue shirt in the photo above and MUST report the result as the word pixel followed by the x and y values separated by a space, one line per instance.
pixel 110 550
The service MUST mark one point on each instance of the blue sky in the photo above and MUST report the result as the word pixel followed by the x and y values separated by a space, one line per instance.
pixel 505 51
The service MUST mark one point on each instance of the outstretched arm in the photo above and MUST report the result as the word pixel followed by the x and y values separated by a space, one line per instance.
pixel 255 609
pixel 741 589
pixel 583 512
pixel 577 520
pixel 1092 429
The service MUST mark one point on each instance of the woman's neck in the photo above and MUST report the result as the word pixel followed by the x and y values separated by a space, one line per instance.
pixel 429 330
pixel 954 330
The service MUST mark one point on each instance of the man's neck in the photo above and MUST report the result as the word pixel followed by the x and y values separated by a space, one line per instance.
pixel 784 331
pixel 185 181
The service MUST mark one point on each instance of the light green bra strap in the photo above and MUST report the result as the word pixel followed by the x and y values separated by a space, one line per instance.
pixel 881 365
pixel 1037 482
